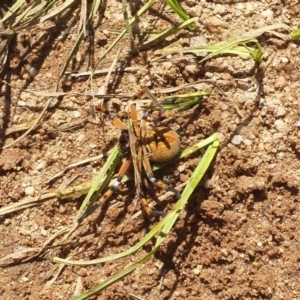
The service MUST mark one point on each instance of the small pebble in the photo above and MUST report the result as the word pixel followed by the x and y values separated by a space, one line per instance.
pixel 265 224
pixel 31 70
pixel 224 106
pixel 77 114
pixel 24 279
pixel 280 125
pixel 29 190
pixel 216 22
pixel 198 41
pixel 221 137
pixel 7 221
pixel 24 231
pixel 196 271
pixel 247 142
pixel 80 137
pixel 267 14
pixel 21 103
pixel 192 69
pixel 279 111
pixel 237 139
pixel 41 165
pixel 224 114
pixel 224 251
pixel 167 65
pixel 261 146
pixel 44 232
pixel 259 244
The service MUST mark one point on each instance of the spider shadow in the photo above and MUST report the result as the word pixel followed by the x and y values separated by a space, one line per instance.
pixel 187 231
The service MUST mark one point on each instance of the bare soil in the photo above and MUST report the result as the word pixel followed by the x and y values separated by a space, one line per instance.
pixel 238 236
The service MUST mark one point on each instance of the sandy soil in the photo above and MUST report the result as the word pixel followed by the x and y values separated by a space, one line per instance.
pixel 238 236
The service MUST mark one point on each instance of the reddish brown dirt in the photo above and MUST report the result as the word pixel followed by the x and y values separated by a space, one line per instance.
pixel 238 236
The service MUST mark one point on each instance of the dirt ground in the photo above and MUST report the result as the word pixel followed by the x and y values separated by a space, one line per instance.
pixel 238 236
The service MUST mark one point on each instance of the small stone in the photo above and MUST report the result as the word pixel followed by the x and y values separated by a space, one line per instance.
pixel 224 251
pixel 216 22
pixel 29 190
pixel 279 111
pixel 48 75
pixel 192 69
pixel 220 9
pixel 77 114
pixel 237 139
pixel 41 165
pixel 21 103
pixel 280 125
pixel 190 3
pixel 224 114
pixel 221 137
pixel 196 271
pixel 265 224
pixel 81 137
pixel 198 40
pixel 167 65
pixel 280 82
pixel 261 146
pixel 267 14
pixel 259 244
pixel 24 279
pixel 224 106
pixel 7 221
pixel 247 142
pixel 62 209
pixel 24 231
pixel 44 232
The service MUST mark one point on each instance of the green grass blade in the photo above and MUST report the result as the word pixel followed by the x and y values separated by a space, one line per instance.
pixel 102 178
pixel 100 183
pixel 184 100
pixel 295 35
pixel 13 10
pixel 164 34
pixel 179 11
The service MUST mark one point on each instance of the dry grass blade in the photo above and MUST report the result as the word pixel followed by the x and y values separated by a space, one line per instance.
pixel 116 41
pixel 94 10
pixel 31 127
pixel 57 194
pixel 58 10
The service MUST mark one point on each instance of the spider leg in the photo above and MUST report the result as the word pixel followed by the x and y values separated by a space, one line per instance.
pixel 149 211
pixel 125 166
pixel 137 156
pixel 150 175
pixel 116 121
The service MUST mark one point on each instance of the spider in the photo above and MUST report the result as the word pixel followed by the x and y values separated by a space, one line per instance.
pixel 141 143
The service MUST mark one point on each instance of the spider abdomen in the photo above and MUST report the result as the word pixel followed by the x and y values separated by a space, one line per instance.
pixel 164 144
